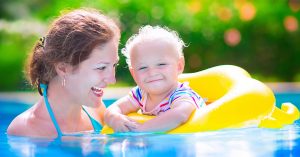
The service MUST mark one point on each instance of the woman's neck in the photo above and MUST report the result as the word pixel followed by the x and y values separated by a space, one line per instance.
pixel 62 104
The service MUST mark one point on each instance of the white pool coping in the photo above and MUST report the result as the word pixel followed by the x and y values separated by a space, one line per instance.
pixel 115 93
pixel 32 97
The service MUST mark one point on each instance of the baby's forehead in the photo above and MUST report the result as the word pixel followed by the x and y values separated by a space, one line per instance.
pixel 159 44
pixel 146 53
pixel 157 38
pixel 155 42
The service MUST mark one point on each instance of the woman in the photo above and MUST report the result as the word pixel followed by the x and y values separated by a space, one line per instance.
pixel 70 66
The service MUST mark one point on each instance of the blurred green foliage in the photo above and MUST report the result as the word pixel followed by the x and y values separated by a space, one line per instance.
pixel 262 37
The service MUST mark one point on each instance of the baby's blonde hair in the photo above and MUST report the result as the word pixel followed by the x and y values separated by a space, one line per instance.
pixel 153 33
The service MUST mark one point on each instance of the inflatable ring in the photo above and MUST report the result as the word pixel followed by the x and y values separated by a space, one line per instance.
pixel 280 117
pixel 234 100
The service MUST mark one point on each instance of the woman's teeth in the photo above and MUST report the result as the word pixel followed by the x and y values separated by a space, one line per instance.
pixel 97 91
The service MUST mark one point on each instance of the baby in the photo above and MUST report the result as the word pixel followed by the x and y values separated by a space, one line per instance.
pixel 155 60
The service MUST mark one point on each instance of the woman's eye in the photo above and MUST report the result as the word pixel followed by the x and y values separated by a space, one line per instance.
pixel 101 68
pixel 115 65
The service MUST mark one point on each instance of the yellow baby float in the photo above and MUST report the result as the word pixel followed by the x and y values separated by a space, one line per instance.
pixel 234 100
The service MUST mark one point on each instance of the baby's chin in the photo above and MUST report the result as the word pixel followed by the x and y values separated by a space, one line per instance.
pixel 156 91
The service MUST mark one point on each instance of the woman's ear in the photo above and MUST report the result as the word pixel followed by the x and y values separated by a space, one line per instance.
pixel 181 65
pixel 62 69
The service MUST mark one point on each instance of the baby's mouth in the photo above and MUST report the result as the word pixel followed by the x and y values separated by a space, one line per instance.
pixel 154 80
pixel 97 91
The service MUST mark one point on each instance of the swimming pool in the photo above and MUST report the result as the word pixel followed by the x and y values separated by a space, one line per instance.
pixel 246 142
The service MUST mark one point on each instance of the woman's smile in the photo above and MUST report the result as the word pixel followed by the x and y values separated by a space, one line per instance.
pixel 97 91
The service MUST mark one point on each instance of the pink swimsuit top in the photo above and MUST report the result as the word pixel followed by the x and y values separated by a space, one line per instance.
pixel 182 93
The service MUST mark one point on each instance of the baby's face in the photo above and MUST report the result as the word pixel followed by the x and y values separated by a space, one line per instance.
pixel 155 66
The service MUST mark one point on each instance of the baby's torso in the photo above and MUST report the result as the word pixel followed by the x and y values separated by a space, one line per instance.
pixel 155 108
pixel 182 93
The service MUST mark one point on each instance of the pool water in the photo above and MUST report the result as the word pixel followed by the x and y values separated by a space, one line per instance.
pixel 245 142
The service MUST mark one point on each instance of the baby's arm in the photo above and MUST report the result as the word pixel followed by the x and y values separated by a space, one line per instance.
pixel 115 115
pixel 178 114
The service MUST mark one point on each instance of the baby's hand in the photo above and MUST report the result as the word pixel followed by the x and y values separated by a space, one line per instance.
pixel 123 123
pixel 138 127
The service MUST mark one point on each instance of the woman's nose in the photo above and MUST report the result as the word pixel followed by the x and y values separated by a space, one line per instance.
pixel 111 77
pixel 112 80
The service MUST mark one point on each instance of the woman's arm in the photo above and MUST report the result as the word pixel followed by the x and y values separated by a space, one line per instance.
pixel 178 114
pixel 115 115
pixel 97 113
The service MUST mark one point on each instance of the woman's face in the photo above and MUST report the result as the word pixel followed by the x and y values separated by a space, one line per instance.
pixel 86 83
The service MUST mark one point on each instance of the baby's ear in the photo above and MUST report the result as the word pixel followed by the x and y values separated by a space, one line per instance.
pixel 181 65
pixel 131 72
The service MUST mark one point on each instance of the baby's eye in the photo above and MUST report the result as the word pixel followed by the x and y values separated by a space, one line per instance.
pixel 142 68
pixel 161 64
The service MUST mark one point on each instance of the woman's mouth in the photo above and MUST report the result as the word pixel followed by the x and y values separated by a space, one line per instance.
pixel 97 91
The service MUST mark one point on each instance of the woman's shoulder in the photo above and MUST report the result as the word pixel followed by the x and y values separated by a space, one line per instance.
pixel 27 124
pixel 20 125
